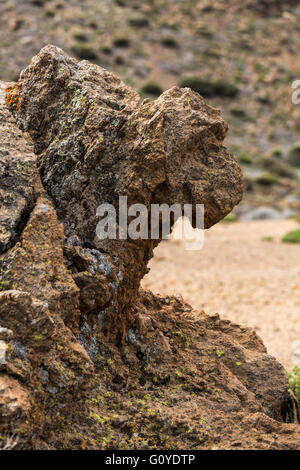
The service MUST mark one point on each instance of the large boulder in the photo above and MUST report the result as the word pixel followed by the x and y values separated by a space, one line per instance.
pixel 97 140
pixel 177 378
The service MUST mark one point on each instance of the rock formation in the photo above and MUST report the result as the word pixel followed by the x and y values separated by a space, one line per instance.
pixel 87 359
pixel 97 140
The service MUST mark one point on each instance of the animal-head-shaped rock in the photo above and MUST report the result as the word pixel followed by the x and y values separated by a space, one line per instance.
pixel 97 140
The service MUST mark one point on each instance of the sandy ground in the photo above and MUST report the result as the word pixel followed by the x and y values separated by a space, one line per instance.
pixel 247 280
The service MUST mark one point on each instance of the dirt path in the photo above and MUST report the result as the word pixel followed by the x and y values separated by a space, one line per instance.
pixel 245 279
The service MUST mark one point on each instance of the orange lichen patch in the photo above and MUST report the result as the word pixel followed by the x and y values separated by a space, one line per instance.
pixel 13 97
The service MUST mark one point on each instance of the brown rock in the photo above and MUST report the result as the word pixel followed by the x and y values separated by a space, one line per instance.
pixel 97 140
pixel 14 400
pixel 180 378
pixel 17 175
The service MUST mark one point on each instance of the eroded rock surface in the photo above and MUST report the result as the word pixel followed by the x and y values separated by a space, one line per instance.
pixel 97 140
pixel 178 378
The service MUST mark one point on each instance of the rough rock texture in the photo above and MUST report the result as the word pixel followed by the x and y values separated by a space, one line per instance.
pixel 178 378
pixel 97 140
pixel 17 167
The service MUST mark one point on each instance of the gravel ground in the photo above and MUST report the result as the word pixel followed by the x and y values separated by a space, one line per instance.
pixel 244 278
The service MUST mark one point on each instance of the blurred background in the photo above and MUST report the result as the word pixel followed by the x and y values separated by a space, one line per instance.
pixel 242 57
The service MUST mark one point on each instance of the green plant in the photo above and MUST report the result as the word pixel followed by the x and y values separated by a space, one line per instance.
pixel 278 167
pixel 267 179
pixel 267 239
pixel 151 88
pixel 292 237
pixel 138 21
pixel 264 99
pixel 277 152
pixel 230 218
pixel 294 155
pixel 83 52
pixel 205 32
pixel 169 41
pixel 106 50
pixel 81 37
pixel 241 114
pixel 294 380
pixel 121 41
pixel 3 284
pixel 210 88
pixel 130 81
pixel 245 158
pixel 49 13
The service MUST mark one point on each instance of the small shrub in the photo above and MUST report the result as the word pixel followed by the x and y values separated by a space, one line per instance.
pixel 119 60
pixel 205 32
pixel 278 168
pixel 121 41
pixel 277 152
pixel 292 237
pixel 80 37
pixel 151 88
pixel 238 112
pixel 130 81
pixel 209 88
pixel 94 25
pixel 264 99
pixel 294 155
pixel 267 239
pixel 49 13
pixel 83 52
pixel 267 179
pixel 202 87
pixel 138 22
pixel 169 41
pixel 241 114
pixel 106 50
pixel 245 158
pixel 248 184
pixel 230 218
pixel 225 89
pixel 294 380
pixel 3 285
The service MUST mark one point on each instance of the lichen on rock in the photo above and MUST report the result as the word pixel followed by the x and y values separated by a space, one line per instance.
pixel 87 359
pixel 97 140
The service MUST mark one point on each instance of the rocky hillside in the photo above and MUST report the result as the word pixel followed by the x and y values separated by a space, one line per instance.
pixel 88 360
